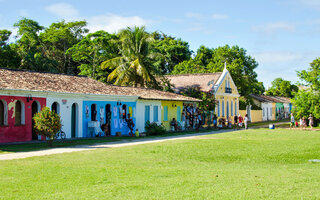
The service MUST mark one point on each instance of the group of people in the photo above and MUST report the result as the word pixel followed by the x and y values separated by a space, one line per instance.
pixel 239 121
pixel 302 122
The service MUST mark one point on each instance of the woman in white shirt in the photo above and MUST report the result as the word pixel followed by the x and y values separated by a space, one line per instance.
pixel 246 121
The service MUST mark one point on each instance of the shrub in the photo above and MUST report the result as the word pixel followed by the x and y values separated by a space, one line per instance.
pixel 154 129
pixel 47 123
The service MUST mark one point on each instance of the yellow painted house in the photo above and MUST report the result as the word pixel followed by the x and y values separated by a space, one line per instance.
pixel 220 84
pixel 170 110
pixel 227 96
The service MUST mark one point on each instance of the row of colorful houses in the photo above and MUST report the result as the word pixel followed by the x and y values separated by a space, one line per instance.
pixel 273 107
pixel 84 105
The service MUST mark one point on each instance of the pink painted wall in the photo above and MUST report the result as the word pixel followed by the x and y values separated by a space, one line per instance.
pixel 21 133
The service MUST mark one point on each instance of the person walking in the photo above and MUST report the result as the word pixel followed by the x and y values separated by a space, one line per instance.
pixel 235 121
pixel 292 121
pixel 240 121
pixel 246 121
pixel 310 121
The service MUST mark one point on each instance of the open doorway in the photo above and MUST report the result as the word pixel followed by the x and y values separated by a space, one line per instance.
pixel 74 120
pixel 35 108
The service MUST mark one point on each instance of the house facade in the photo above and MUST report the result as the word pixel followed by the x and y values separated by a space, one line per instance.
pixel 84 105
pixel 220 84
pixel 16 111
pixel 273 107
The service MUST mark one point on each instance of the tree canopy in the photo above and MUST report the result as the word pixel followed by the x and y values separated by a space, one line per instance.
pixel 132 56
pixel 282 88
pixel 308 101
pixel 135 65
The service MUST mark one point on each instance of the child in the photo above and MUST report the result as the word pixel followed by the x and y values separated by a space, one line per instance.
pixel 304 123
pixel 137 133
pixel 301 122
pixel 240 120
pixel 292 121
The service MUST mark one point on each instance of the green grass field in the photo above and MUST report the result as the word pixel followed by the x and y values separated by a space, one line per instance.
pixel 253 164
pixel 41 145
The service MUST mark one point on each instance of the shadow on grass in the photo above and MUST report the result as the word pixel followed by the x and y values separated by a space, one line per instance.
pixel 84 142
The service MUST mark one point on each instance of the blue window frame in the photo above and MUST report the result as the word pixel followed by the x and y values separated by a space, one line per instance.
pixel 155 114
pixel 178 113
pixel 218 108
pixel 147 113
pixel 235 108
pixel 231 108
pixel 222 108
pixel 165 113
pixel 227 109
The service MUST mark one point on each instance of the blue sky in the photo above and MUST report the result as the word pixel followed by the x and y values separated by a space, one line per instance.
pixel 282 35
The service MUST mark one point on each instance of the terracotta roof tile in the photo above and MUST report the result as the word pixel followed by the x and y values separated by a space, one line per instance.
pixel 204 81
pixel 49 82
pixel 274 99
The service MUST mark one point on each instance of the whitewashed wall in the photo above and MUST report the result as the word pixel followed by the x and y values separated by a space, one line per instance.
pixel 267 107
pixel 141 112
pixel 65 113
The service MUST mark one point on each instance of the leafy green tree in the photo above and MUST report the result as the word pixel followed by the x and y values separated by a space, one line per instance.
pixel 92 50
pixel 208 100
pixel 282 88
pixel 258 88
pixel 311 77
pixel 47 123
pixel 29 47
pixel 8 55
pixel 174 50
pixel 308 101
pixel 58 38
pixel 136 65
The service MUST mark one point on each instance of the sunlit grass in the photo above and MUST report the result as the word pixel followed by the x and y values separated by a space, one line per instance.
pixel 253 164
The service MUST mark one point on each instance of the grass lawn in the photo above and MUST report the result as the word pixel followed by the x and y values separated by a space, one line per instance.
pixel 253 164
pixel 24 147
pixel 263 123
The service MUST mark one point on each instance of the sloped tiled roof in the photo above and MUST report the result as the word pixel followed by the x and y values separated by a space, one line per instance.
pixel 49 82
pixel 204 81
pixel 260 98
pixel 273 99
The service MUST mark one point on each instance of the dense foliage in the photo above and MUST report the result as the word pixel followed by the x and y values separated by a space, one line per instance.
pixel 132 56
pixel 47 123
pixel 154 129
pixel 208 101
pixel 282 88
pixel 308 101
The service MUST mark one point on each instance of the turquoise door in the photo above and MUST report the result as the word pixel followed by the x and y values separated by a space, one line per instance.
pixel 179 114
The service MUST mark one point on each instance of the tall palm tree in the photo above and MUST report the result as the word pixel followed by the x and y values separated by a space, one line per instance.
pixel 135 66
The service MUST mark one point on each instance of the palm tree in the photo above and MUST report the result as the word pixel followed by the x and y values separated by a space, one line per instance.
pixel 135 66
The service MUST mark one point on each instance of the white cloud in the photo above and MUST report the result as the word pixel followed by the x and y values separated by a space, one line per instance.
pixel 219 17
pixel 108 22
pixel 276 57
pixel 311 3
pixel 63 10
pixel 194 15
pixel 270 28
pixel 113 23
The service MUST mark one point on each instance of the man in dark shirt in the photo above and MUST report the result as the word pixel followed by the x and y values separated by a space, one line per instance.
pixel 235 120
